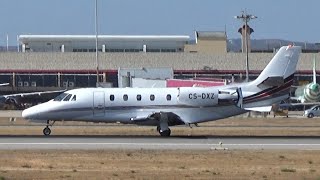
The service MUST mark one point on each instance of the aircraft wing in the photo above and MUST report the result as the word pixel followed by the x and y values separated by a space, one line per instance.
pixel 35 94
pixel 173 119
pixel 32 97
pixel 5 84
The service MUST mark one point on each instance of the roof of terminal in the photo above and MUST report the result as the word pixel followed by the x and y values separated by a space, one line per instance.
pixel 24 38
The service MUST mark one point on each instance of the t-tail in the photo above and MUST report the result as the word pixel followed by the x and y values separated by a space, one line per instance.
pixel 274 82
pixel 280 70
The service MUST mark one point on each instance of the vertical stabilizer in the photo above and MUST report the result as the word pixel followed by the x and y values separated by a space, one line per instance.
pixel 282 65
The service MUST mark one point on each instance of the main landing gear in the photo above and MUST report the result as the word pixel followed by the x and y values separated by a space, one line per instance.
pixel 47 131
pixel 163 127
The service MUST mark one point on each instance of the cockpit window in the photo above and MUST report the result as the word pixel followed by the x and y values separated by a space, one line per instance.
pixel 67 97
pixel 60 97
pixel 74 98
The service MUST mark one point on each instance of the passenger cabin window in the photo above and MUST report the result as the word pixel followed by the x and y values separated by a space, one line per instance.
pixel 168 97
pixel 111 97
pixel 125 97
pixel 139 97
pixel 67 98
pixel 60 97
pixel 152 97
pixel 74 98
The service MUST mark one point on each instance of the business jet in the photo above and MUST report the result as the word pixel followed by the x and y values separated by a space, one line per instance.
pixel 165 107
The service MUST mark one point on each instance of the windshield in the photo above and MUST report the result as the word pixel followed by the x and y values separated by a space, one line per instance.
pixel 67 97
pixel 60 97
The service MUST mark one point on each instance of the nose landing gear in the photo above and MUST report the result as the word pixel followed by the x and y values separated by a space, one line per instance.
pixel 47 131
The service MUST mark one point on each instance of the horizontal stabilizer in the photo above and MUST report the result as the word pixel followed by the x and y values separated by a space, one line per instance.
pixel 260 109
pixel 274 81
pixel 286 105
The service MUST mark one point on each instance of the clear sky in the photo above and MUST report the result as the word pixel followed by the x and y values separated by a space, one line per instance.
pixel 294 20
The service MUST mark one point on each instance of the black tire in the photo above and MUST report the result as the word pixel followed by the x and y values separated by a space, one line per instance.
pixel 310 115
pixel 165 133
pixel 46 131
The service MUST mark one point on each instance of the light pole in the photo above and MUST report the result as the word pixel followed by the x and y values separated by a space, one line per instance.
pixel 246 18
pixel 96 33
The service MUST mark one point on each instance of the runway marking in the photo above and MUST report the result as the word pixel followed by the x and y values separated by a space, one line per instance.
pixel 159 144
pixel 273 144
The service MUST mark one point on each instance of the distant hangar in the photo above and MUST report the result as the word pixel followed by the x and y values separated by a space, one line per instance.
pixel 205 42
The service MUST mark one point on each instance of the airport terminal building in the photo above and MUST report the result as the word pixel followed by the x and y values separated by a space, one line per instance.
pixel 106 43
pixel 205 42
pixel 50 62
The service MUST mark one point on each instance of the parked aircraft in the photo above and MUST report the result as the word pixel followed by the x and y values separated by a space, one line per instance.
pixel 17 100
pixel 309 93
pixel 164 107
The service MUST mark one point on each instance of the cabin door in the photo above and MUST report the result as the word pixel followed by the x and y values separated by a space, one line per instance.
pixel 98 103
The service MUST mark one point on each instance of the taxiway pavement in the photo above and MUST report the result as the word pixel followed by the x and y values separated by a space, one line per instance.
pixel 158 143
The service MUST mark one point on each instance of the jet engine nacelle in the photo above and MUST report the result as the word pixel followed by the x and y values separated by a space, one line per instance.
pixel 210 96
pixel 198 96
pixel 231 97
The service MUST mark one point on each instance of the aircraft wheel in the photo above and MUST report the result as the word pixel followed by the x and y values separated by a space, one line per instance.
pixel 311 115
pixel 165 133
pixel 46 131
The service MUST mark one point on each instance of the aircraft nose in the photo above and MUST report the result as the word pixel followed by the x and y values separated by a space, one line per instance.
pixel 29 113
pixel 315 87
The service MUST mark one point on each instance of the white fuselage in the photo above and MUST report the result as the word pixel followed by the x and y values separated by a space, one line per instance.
pixel 136 105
